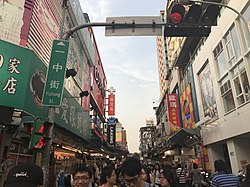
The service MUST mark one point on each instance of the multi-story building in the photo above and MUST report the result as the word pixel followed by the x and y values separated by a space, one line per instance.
pixel 35 25
pixel 211 77
pixel 163 66
pixel 222 75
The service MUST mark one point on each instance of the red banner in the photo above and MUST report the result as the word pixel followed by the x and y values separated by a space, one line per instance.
pixel 173 112
pixel 111 104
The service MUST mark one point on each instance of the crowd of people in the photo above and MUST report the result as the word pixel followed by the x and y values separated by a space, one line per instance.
pixel 128 173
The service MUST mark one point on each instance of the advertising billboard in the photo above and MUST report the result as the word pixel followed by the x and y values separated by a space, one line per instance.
pixel 187 108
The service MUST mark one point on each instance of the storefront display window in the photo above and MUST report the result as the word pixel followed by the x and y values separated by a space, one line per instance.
pixel 18 154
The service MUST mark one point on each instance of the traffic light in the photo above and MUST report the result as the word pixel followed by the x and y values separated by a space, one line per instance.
pixel 39 134
pixel 190 21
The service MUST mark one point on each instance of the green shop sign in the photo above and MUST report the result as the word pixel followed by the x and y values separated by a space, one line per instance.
pixel 22 81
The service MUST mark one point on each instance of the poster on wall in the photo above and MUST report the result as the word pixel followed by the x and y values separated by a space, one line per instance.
pixel 187 109
pixel 207 93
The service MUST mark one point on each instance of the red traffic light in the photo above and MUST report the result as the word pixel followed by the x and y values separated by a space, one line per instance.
pixel 177 14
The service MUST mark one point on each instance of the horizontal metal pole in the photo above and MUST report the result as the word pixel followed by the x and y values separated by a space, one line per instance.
pixel 70 32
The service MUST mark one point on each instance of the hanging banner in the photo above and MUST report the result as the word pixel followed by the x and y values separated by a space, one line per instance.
pixel 111 104
pixel 187 108
pixel 111 132
pixel 173 112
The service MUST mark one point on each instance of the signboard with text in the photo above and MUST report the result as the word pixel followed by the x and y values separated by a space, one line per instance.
pixel 173 112
pixel 22 83
pixel 111 104
pixel 111 132
pixel 52 95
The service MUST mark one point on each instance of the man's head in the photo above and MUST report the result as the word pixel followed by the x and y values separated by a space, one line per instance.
pixel 26 175
pixel 220 166
pixel 82 176
pixel 131 169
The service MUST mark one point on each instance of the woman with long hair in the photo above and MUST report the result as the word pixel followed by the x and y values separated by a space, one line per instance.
pixel 145 175
pixel 167 178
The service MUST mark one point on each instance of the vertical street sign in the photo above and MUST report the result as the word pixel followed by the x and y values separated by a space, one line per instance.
pixel 52 95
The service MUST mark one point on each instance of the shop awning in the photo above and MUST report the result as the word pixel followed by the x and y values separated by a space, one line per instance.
pixel 186 137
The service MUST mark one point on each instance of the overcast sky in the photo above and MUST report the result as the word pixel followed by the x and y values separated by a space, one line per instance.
pixel 130 63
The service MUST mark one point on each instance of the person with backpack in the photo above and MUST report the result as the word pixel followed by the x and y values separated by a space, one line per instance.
pixel 196 176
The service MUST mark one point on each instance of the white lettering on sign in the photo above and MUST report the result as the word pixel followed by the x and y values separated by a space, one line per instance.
pixel 172 104
pixel 172 98
pixel 53 94
pixel 10 85
pixel 1 60
pixel 72 110
pixel 57 67
pixel 64 107
pixel 57 51
pixel 54 84
pixel 111 135
pixel 99 81
pixel 13 64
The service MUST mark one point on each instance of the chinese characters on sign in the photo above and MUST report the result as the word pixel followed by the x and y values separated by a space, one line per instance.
pixel 73 117
pixel 173 113
pixel 9 85
pixel 111 102
pixel 52 95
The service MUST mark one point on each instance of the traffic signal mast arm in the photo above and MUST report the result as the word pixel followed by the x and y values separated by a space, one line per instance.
pixel 70 32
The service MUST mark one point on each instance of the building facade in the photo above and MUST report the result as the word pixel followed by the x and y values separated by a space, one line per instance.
pixel 211 77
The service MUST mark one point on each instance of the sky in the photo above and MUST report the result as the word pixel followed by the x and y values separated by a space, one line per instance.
pixel 130 63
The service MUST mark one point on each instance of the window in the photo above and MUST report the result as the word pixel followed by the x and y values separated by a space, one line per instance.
pixel 220 59
pixel 241 84
pixel 227 95
pixel 232 46
pixel 246 15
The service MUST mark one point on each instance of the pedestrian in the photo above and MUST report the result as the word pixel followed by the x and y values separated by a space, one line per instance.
pixel 131 170
pixel 246 182
pixel 25 175
pixel 157 175
pixel 82 176
pixel 152 175
pixel 196 176
pixel 223 178
pixel 68 180
pixel 108 176
pixel 181 175
pixel 166 178
pixel 145 175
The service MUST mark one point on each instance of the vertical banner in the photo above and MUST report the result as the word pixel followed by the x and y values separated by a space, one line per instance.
pixel 111 104
pixel 187 108
pixel 173 112
pixel 111 135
